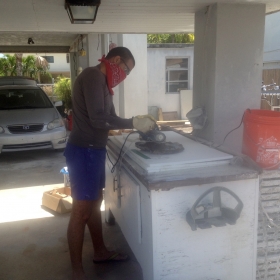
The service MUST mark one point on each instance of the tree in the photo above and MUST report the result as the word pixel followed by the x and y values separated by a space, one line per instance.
pixel 28 66
pixel 170 38
pixel 8 65
pixel 31 66
pixel 18 63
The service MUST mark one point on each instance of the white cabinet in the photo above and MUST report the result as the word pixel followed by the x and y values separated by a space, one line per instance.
pixel 130 207
pixel 129 202
pixel 122 196
pixel 151 208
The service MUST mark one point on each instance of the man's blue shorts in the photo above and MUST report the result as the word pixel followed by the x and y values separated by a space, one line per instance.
pixel 86 169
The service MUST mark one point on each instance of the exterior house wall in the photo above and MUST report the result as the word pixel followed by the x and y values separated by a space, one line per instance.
pixel 133 91
pixel 156 77
pixel 60 62
pixel 272 40
pixel 271 58
pixel 60 65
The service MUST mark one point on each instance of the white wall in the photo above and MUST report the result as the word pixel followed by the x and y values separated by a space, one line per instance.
pixel 95 48
pixel 133 91
pixel 156 77
pixel 272 38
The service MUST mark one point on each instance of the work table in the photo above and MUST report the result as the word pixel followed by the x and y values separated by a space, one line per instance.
pixel 231 170
pixel 152 196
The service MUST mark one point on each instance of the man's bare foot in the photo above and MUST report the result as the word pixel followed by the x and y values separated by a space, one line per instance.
pixel 110 256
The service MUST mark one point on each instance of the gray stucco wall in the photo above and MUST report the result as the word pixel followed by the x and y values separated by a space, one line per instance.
pixel 228 58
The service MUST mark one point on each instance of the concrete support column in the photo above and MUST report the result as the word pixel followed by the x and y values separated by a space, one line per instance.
pixel 133 94
pixel 82 61
pixel 93 44
pixel 130 97
pixel 95 48
pixel 73 67
pixel 228 56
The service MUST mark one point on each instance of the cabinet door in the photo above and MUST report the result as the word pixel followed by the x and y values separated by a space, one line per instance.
pixel 130 207
pixel 111 192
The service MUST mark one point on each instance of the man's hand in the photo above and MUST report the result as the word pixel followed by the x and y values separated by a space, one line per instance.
pixel 144 123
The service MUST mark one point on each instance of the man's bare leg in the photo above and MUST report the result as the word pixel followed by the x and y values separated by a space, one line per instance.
pixel 81 211
pixel 95 227
pixel 86 212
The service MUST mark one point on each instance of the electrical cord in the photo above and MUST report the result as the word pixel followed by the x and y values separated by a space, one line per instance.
pixel 231 131
pixel 120 153
pixel 98 42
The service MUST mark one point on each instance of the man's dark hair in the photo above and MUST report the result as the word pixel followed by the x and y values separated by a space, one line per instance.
pixel 123 52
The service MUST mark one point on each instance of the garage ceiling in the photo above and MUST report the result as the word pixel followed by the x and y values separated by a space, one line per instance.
pixel 47 22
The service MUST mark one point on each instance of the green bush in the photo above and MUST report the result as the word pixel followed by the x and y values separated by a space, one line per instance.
pixel 170 38
pixel 62 88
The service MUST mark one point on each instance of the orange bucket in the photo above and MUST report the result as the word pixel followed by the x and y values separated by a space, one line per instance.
pixel 261 137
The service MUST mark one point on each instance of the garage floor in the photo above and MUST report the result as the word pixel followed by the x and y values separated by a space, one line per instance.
pixel 33 243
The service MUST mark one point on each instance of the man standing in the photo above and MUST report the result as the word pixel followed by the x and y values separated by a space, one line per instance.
pixel 93 116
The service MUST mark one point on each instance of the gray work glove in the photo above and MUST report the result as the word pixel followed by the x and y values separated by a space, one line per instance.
pixel 144 123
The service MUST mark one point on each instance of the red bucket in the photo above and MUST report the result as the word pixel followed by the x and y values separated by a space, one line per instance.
pixel 261 137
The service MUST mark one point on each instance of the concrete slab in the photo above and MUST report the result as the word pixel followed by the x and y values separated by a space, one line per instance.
pixel 33 242
pixel 32 168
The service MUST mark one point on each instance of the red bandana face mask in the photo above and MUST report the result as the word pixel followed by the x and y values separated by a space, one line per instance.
pixel 114 74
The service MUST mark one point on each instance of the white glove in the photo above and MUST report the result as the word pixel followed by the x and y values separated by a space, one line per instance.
pixel 144 123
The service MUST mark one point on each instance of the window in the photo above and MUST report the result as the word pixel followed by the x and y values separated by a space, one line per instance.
pixel 23 99
pixel 49 58
pixel 177 74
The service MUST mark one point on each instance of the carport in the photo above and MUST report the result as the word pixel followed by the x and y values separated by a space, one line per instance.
pixel 228 48
pixel 228 55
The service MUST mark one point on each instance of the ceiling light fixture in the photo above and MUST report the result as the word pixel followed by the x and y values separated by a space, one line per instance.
pixel 30 41
pixel 82 11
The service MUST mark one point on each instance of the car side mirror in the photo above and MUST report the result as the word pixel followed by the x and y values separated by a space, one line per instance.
pixel 58 103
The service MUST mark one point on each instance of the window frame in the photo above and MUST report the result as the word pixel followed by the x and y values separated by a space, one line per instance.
pixel 49 58
pixel 167 73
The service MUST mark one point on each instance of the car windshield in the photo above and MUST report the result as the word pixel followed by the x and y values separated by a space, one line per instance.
pixel 23 99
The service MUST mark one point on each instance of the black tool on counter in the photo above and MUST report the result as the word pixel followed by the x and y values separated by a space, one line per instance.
pixel 206 215
pixel 160 147
pixel 153 142
pixel 153 135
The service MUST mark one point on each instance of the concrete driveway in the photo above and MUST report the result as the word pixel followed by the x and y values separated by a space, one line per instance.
pixel 32 168
pixel 33 242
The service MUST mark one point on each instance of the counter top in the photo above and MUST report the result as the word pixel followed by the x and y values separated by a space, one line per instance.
pixel 233 170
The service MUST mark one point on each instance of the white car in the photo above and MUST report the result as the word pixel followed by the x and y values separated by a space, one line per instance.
pixel 28 119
